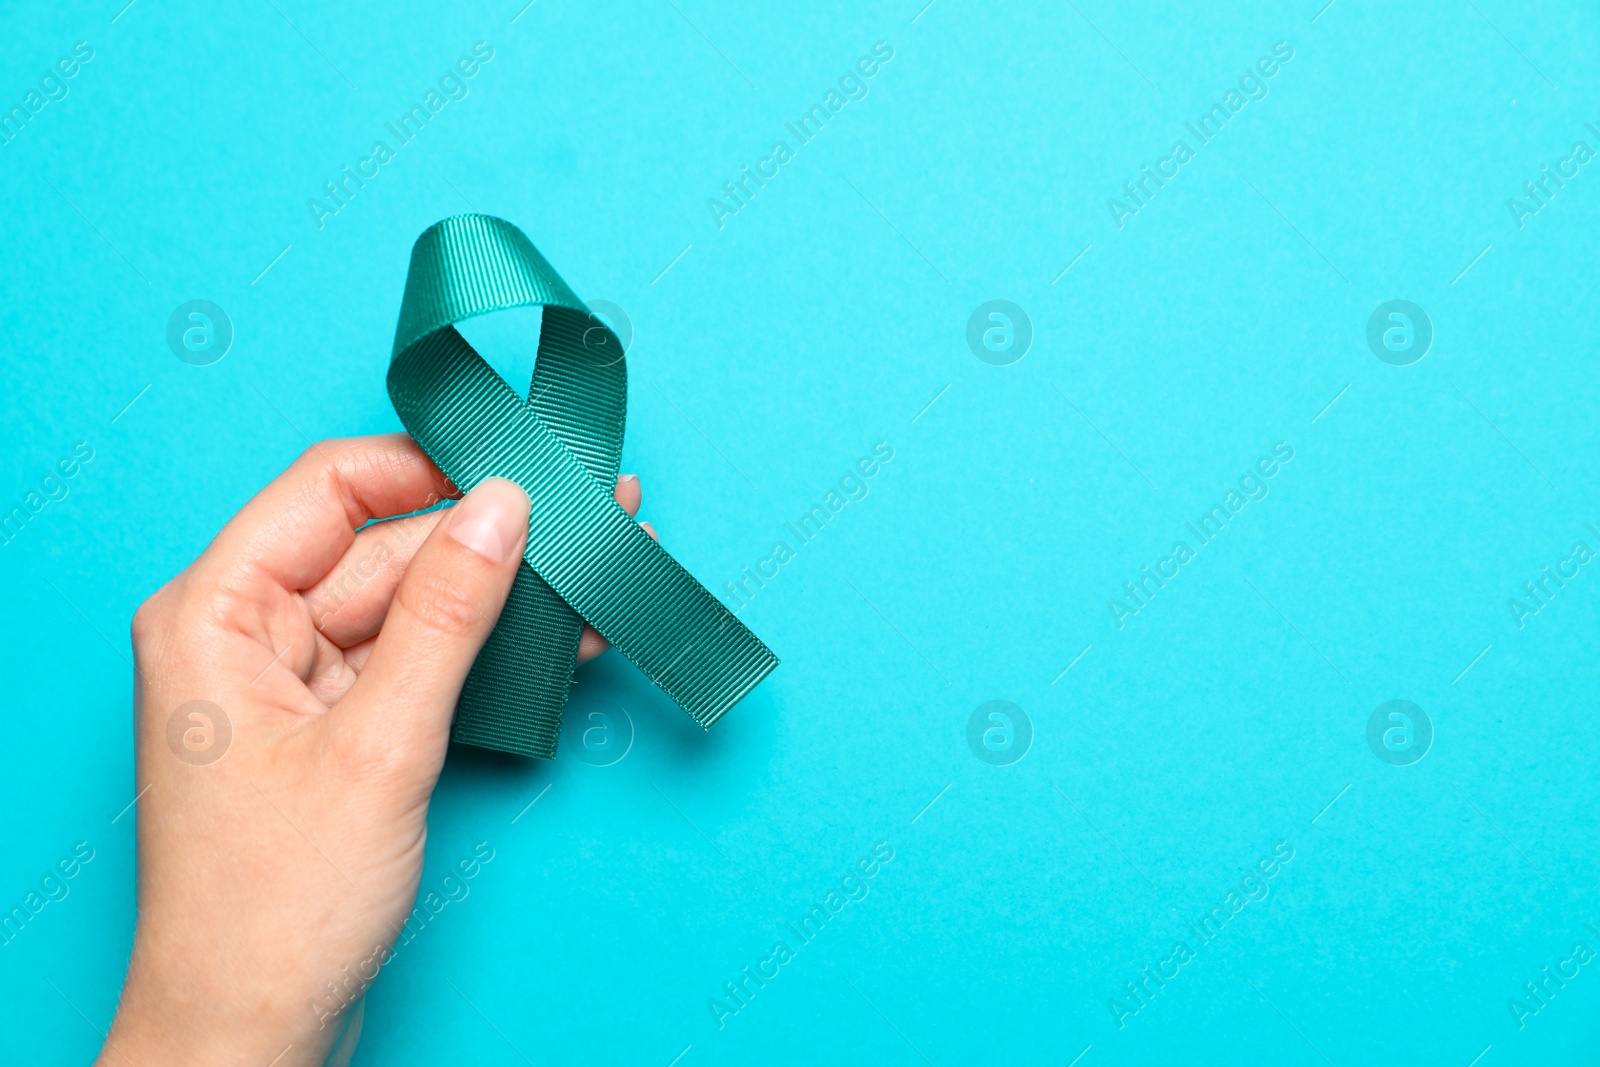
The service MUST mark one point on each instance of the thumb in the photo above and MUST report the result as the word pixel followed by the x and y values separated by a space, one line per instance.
pixel 445 606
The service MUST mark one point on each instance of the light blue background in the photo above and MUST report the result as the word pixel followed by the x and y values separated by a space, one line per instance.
pixel 824 317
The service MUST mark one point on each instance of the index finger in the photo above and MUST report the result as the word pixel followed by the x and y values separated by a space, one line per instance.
pixel 301 523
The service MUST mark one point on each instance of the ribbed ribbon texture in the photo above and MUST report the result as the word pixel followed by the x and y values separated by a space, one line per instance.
pixel 586 558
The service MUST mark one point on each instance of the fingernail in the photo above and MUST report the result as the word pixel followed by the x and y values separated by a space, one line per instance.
pixel 492 519
pixel 628 479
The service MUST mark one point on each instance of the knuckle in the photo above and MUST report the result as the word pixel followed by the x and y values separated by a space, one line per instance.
pixel 321 451
pixel 439 603
pixel 146 620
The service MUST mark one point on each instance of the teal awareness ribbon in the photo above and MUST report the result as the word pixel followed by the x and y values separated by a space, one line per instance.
pixel 586 558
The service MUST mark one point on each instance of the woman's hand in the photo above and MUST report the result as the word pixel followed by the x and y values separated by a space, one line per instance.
pixel 295 690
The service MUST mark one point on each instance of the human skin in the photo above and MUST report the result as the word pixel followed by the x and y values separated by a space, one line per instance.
pixel 269 871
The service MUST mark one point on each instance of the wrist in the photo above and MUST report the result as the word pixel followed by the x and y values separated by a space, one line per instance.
pixel 172 1018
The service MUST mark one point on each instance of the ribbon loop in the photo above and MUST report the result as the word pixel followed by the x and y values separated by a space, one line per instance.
pixel 586 559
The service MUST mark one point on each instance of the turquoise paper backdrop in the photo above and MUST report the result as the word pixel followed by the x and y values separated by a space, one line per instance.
pixel 1198 773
